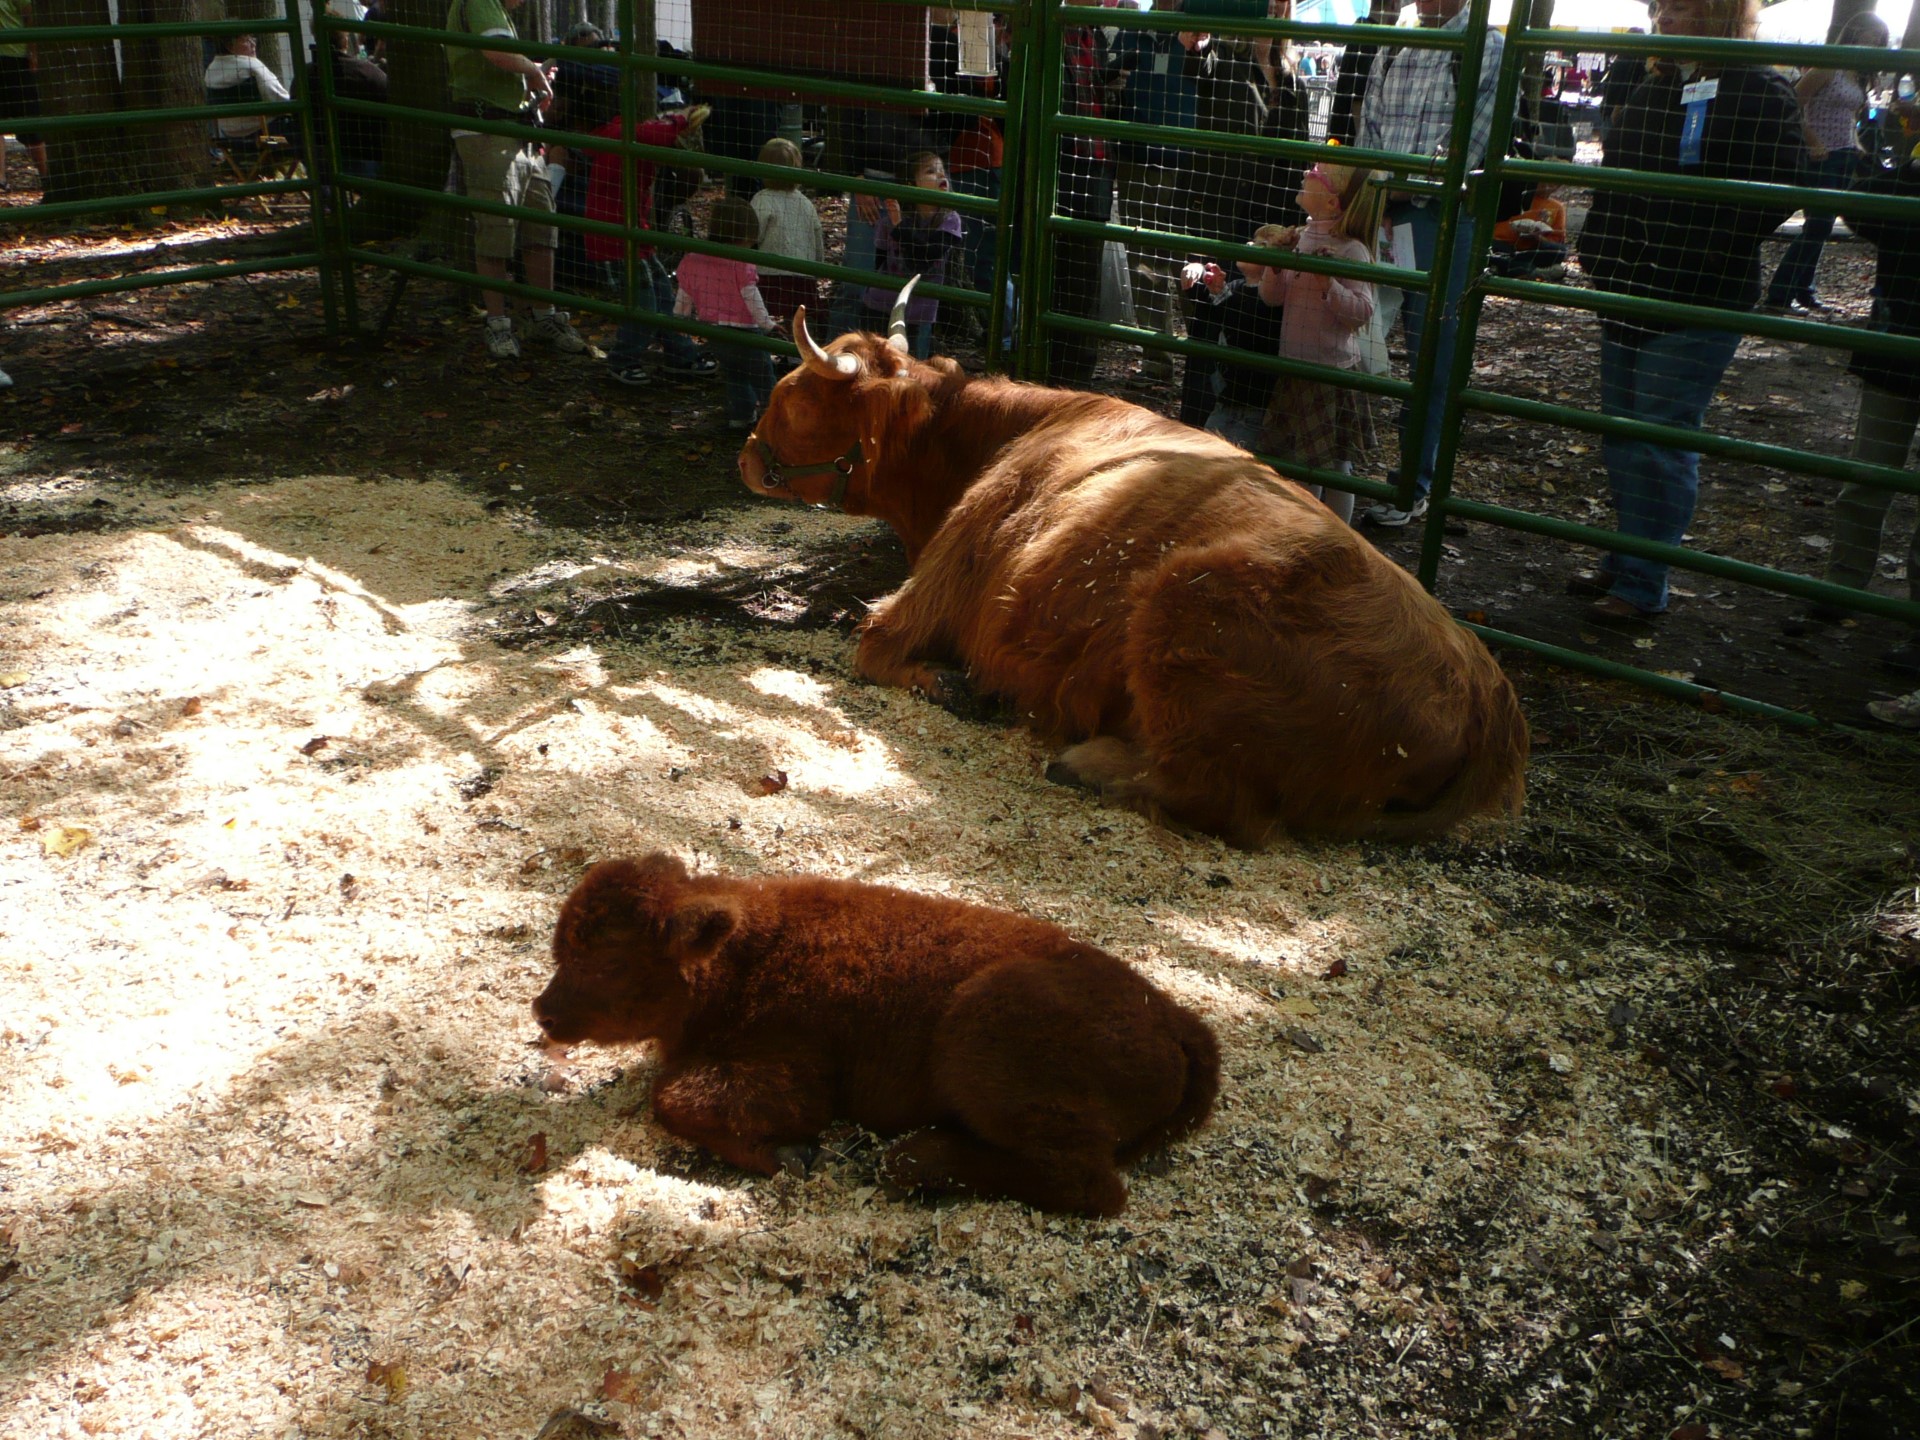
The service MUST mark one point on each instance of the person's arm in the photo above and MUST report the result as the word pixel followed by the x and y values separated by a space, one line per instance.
pixel 757 307
pixel 270 86
pixel 537 75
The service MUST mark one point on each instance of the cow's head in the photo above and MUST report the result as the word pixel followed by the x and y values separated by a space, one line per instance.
pixel 630 953
pixel 847 409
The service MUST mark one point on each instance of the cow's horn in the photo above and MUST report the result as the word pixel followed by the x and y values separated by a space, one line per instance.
pixel 834 367
pixel 897 322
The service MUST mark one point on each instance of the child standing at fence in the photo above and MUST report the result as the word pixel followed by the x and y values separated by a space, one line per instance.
pixel 652 286
pixel 789 225
pixel 1228 311
pixel 1311 422
pixel 920 242
pixel 727 293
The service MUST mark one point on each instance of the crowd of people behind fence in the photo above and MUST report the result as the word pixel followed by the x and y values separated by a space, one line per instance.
pixel 1708 120
pixel 1731 121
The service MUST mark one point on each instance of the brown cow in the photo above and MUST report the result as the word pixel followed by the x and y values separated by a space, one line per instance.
pixel 1208 641
pixel 1035 1064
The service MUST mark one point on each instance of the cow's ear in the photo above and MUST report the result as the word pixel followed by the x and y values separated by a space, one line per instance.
pixel 697 927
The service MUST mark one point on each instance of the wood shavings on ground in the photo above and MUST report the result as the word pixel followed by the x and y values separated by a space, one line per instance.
pixel 280 1153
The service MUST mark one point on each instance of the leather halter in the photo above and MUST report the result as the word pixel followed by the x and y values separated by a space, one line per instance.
pixel 780 476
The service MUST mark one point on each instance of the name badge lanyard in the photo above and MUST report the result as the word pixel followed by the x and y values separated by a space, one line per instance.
pixel 1695 98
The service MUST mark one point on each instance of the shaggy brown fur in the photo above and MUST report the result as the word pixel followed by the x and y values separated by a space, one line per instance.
pixel 1207 640
pixel 1028 1064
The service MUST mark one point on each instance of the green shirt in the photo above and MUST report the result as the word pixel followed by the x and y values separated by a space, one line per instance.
pixel 11 19
pixel 470 75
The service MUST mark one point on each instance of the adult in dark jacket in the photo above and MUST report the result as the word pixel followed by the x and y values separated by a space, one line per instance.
pixel 1889 414
pixel 1736 123
pixel 1242 86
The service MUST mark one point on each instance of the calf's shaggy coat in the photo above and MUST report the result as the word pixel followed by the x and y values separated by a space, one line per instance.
pixel 1026 1064
pixel 1209 642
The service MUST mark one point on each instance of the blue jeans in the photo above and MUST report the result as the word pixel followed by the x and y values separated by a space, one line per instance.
pixel 746 380
pixel 1668 379
pixel 1423 450
pixel 652 292
pixel 849 308
pixel 1794 277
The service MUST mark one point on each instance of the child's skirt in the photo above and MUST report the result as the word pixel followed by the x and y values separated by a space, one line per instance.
pixel 1313 423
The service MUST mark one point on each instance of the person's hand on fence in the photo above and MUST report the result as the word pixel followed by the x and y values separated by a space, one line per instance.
pixel 893 211
pixel 868 208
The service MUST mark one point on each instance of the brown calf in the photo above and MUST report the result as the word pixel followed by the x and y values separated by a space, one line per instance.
pixel 1028 1065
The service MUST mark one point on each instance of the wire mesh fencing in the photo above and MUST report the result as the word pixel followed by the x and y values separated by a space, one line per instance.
pixel 1575 290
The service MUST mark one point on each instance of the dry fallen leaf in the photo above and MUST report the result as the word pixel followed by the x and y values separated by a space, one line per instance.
pixel 646 1281
pixel 392 1377
pixel 771 784
pixel 317 743
pixel 191 706
pixel 65 840
pixel 622 1388
pixel 534 1158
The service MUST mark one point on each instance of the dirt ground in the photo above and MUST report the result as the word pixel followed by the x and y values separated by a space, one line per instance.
pixel 324 671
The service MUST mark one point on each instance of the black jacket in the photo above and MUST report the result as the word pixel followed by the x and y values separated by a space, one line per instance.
pixel 1696 252
pixel 1897 310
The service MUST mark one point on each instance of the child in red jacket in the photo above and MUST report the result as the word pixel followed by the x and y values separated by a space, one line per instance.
pixel 652 282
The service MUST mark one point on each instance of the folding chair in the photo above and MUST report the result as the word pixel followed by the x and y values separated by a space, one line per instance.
pixel 247 159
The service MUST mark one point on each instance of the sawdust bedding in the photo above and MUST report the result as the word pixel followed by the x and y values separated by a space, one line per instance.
pixel 285 827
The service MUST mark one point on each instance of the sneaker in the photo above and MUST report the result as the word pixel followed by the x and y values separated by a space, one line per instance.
pixel 1902 710
pixel 1392 517
pixel 500 342
pixel 555 328
pixel 740 427
pixel 1549 273
pixel 6 381
pixel 699 365
pixel 635 375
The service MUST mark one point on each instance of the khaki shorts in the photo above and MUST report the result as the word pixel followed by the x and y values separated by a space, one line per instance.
pixel 498 167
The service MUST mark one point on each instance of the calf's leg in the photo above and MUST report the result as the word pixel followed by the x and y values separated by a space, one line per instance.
pixel 754 1114
pixel 947 1161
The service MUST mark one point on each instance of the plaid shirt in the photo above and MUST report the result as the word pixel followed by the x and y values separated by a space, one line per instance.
pixel 1409 104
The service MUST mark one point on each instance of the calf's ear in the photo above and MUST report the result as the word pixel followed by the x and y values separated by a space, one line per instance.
pixel 697 928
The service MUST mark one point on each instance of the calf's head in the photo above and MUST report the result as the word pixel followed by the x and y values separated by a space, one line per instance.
pixel 631 953
pixel 836 418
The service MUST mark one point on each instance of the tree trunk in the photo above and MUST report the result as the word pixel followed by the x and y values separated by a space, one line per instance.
pixel 82 78
pixel 165 74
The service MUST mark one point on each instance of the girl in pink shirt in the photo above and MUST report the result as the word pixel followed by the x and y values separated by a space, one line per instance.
pixel 1313 422
pixel 727 292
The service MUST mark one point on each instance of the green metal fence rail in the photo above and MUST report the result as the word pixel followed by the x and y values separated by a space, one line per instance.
pixel 310 255
pixel 1461 397
pixel 1028 215
pixel 636 67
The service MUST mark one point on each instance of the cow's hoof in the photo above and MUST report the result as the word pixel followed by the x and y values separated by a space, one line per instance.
pixel 1058 772
pixel 796 1159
